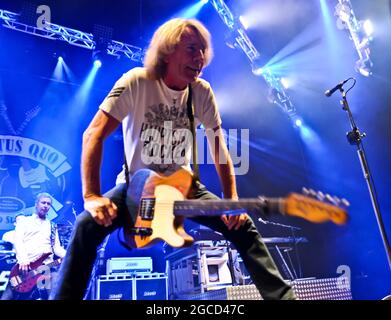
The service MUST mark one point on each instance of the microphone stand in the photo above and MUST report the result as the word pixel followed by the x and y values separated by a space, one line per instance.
pixel 355 138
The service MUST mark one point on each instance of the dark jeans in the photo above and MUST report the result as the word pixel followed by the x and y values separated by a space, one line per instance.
pixel 88 235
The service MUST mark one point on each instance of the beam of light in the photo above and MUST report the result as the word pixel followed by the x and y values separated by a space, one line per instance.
pixel 83 93
pixel 191 11
pixel 310 52
pixel 311 140
pixel 329 29
pixel 272 14
pixel 69 75
pixel 58 72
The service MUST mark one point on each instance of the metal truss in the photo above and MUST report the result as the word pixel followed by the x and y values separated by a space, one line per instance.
pixel 74 37
pixel 347 19
pixel 277 93
pixel 236 29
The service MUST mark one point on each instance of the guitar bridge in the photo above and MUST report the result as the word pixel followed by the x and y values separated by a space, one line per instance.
pixel 141 231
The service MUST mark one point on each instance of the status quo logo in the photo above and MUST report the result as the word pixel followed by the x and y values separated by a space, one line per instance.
pixel 28 167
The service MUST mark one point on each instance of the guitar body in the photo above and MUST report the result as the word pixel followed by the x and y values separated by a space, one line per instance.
pixel 24 283
pixel 158 193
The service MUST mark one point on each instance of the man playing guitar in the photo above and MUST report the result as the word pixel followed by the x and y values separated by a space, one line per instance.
pixel 144 100
pixel 36 242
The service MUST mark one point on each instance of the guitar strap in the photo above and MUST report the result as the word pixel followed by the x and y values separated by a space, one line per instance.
pixel 190 114
pixel 53 227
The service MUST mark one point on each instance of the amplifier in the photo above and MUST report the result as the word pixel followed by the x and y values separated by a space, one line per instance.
pixel 128 265
pixel 151 286
pixel 113 288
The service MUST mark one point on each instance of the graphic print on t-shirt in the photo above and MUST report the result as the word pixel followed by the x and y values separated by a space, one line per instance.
pixel 166 136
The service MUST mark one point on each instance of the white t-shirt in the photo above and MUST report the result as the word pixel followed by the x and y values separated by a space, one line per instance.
pixel 155 124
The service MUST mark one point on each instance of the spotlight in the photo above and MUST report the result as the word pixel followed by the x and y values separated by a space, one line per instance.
pixel 60 59
pixel 258 71
pixel 364 67
pixel 244 22
pixel 285 83
pixel 298 123
pixel 257 68
pixel 102 37
pixel 97 58
pixel 97 63
pixel 204 1
pixel 368 27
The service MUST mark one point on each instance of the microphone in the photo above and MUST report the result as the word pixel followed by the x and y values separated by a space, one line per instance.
pixel 328 93
pixel 263 221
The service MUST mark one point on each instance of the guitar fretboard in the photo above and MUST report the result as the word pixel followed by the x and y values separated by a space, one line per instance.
pixel 232 207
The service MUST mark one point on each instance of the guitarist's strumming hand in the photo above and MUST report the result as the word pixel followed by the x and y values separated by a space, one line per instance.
pixel 24 268
pixel 234 221
pixel 102 209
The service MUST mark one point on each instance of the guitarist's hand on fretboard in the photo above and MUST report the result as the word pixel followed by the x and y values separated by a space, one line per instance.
pixel 234 222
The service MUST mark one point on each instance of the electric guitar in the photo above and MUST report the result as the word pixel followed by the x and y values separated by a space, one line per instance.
pixel 25 282
pixel 161 206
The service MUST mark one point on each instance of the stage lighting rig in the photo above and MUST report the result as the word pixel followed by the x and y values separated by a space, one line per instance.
pixel 237 38
pixel 360 32
pixel 52 31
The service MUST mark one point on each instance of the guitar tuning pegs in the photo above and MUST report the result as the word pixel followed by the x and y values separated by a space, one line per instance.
pixel 312 193
pixel 320 195
pixel 337 200
pixel 329 198
pixel 345 202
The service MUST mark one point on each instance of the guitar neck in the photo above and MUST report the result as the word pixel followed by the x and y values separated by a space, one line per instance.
pixel 190 208
pixel 55 263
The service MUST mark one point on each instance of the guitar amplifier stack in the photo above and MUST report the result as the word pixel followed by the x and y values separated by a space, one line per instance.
pixel 130 279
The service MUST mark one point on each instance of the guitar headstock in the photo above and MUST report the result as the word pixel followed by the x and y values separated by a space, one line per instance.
pixel 316 207
pixel 32 113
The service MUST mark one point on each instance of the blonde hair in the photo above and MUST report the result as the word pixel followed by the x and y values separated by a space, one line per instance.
pixel 165 39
